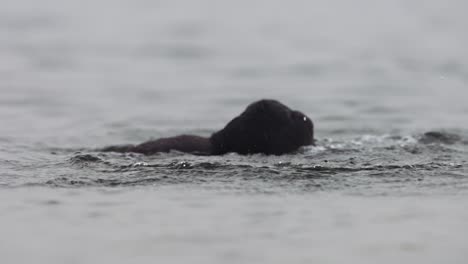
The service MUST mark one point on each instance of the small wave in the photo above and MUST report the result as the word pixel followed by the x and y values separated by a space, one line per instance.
pixel 204 172
pixel 331 162
pixel 432 137
pixel 83 158
pixel 389 168
pixel 200 170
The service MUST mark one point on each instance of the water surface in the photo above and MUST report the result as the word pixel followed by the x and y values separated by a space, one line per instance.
pixel 385 84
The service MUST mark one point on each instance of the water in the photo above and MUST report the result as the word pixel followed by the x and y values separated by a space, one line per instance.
pixel 385 84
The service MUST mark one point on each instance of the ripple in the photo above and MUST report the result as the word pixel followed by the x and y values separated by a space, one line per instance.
pixel 353 163
pixel 84 158
pixel 186 51
pixel 440 137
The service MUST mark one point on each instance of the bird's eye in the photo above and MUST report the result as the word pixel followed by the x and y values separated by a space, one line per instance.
pixel 305 118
